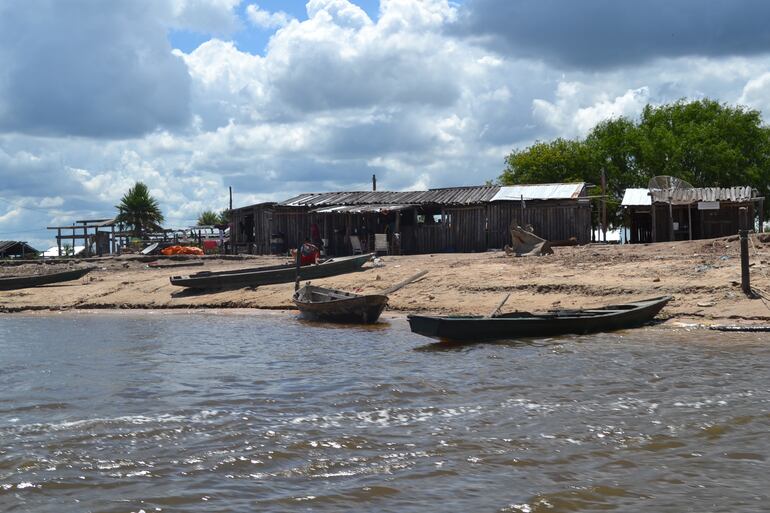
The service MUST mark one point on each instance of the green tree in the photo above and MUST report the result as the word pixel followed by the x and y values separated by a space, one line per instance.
pixel 208 218
pixel 704 142
pixel 139 211
pixel 211 218
pixel 562 160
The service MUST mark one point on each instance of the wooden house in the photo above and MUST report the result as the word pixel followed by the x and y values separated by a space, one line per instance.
pixel 455 219
pixel 16 249
pixel 686 214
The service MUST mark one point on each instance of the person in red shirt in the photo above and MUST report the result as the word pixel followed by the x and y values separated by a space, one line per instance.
pixel 308 253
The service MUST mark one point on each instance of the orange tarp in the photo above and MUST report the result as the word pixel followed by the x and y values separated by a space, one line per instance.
pixel 181 250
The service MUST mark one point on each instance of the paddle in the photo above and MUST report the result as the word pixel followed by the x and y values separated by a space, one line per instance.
pixel 403 283
pixel 499 306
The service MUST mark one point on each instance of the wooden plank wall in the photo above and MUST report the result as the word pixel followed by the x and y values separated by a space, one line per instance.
pixel 468 229
pixel 553 221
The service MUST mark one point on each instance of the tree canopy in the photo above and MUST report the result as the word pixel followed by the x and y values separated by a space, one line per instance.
pixel 211 218
pixel 703 142
pixel 139 211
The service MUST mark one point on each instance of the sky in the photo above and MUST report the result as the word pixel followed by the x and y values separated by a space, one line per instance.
pixel 279 97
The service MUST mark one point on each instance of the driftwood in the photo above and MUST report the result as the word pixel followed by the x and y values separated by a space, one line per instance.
pixel 404 283
pixel 526 243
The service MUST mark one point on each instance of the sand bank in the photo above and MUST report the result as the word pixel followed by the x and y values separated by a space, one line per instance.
pixel 703 276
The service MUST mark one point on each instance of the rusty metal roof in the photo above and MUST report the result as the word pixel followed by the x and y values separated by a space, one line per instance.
pixel 643 197
pixel 447 196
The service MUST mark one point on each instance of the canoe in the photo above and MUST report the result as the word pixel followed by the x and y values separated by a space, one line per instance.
pixel 331 305
pixel 254 277
pixel 23 282
pixel 524 324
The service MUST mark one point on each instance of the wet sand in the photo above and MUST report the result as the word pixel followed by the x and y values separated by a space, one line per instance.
pixel 702 276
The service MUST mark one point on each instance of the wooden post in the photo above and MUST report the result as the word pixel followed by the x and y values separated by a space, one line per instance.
pixel 670 221
pixel 654 221
pixel 744 236
pixel 689 219
pixel 374 182
pixel 58 241
pixel 604 206
pixel 299 254
pixel 348 221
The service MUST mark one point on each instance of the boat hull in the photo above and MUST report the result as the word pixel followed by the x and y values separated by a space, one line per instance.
pixel 330 305
pixel 23 282
pixel 255 277
pixel 522 325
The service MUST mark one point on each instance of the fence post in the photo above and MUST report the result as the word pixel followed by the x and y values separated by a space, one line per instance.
pixel 743 232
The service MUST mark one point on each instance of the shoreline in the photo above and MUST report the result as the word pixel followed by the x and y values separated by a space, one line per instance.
pixel 703 277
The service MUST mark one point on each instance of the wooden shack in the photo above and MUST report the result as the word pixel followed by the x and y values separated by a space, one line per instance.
pixel 16 249
pixel 557 212
pixel 455 219
pixel 687 214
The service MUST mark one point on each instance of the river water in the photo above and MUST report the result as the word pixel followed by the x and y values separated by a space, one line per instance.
pixel 213 412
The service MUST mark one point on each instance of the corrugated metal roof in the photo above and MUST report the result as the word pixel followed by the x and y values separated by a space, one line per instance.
pixel 737 194
pixel 448 196
pixel 359 209
pixel 642 197
pixel 545 191
pixel 7 245
pixel 636 198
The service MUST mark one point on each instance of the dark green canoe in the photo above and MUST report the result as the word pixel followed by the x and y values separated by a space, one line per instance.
pixel 525 324
pixel 254 277
pixel 23 282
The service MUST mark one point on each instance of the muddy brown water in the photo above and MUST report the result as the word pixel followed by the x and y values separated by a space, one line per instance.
pixel 205 412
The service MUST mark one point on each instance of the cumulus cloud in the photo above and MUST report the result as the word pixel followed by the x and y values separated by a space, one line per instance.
pixel 205 16
pixel 266 19
pixel 608 33
pixel 574 113
pixel 333 99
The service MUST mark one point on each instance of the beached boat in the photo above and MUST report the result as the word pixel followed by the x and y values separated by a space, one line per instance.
pixel 524 324
pixel 34 280
pixel 214 280
pixel 331 305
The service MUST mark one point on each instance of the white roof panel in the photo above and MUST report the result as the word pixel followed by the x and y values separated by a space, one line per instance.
pixel 543 191
pixel 54 251
pixel 636 198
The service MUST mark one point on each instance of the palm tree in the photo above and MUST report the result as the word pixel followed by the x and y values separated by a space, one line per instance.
pixel 208 218
pixel 139 210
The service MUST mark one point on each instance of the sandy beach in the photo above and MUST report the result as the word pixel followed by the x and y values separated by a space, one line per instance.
pixel 703 277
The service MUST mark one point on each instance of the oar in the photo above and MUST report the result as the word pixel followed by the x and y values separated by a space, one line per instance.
pixel 499 306
pixel 403 283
